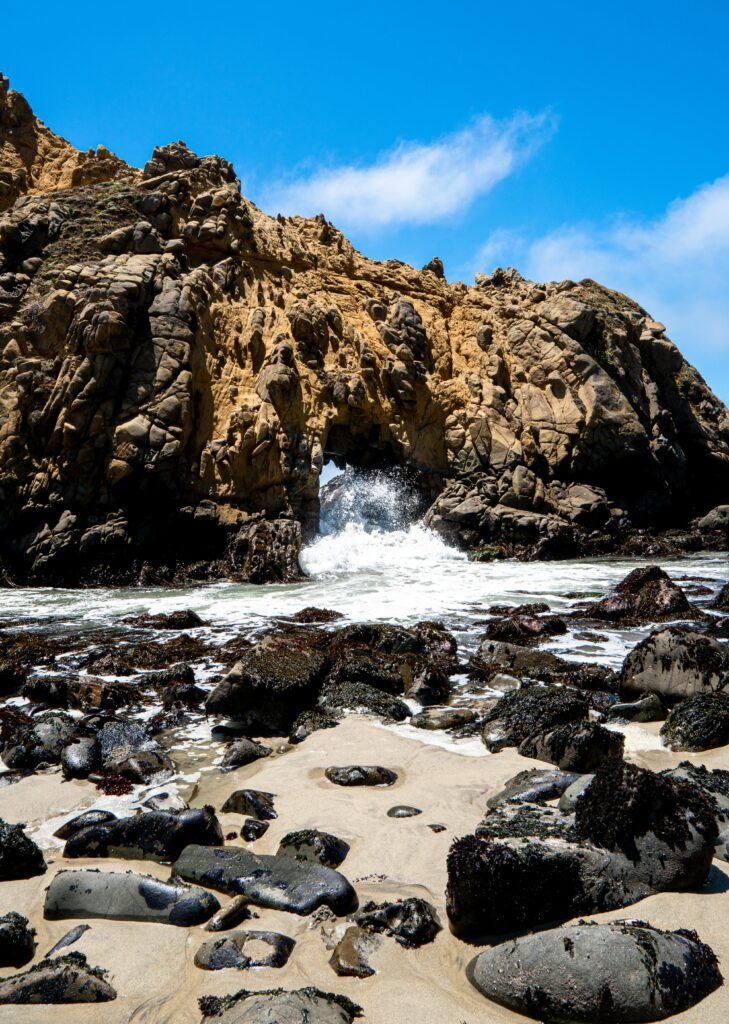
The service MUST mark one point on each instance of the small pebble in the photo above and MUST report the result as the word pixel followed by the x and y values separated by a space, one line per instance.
pixel 403 811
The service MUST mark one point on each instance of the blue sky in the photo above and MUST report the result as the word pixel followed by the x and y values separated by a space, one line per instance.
pixel 566 139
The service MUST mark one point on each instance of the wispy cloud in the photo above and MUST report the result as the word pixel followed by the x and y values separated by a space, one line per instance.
pixel 676 266
pixel 416 183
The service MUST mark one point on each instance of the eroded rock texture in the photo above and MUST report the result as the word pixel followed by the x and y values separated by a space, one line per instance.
pixel 176 367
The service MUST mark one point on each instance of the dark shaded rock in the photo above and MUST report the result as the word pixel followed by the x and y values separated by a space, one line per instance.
pixel 39 740
pixel 79 691
pixel 253 829
pixel 675 662
pixel 17 940
pixel 645 595
pixel 360 698
pixel 522 712
pixel 300 1006
pixel 185 618
pixel 525 629
pixel 443 718
pixel 568 800
pixel 127 750
pixel 281 883
pixel 251 801
pixel 311 721
pixel 19 855
pixel 67 979
pixel 361 775
pixel 533 786
pixel 494 657
pixel 83 820
pixel 234 911
pixel 127 897
pixel 315 615
pixel 80 758
pixel 245 949
pixel 504 610
pixel 574 747
pixel 700 722
pixel 616 972
pixel 403 811
pixel 349 957
pixel 243 751
pixel 312 845
pixel 721 601
pixel 648 709
pixel 152 835
pixel 270 685
pixel 413 922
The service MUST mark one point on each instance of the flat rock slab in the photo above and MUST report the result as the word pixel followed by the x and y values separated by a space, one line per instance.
pixel 301 1006
pixel 361 775
pixel 68 979
pixel 279 883
pixel 598 972
pixel 127 897
pixel 244 949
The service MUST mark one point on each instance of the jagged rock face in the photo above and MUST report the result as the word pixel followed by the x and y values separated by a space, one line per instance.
pixel 175 366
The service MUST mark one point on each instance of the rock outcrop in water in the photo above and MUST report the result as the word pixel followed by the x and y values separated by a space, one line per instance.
pixel 176 367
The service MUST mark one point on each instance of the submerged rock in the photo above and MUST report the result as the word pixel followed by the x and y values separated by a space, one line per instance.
pixel 152 835
pixel 17 940
pixel 127 897
pixel 245 949
pixel 574 747
pixel 67 979
pixel 613 973
pixel 361 775
pixel 281 883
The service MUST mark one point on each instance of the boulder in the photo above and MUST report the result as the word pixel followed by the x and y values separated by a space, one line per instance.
pixel 84 820
pixel 698 723
pixel 494 657
pixel 533 785
pixel 645 595
pixel 251 801
pixel 127 897
pixel 17 940
pixel 243 751
pixel 338 698
pixel 525 629
pixel 443 718
pixel 413 922
pixel 244 949
pixel 522 712
pixel 675 662
pixel 574 747
pixel 253 829
pixel 19 855
pixel 66 979
pixel 314 846
pixel 80 758
pixel 270 685
pixel 349 956
pixel 633 834
pixel 281 883
pixel 152 835
pixel 39 741
pixel 126 749
pixel 300 1006
pixel 598 972
pixel 361 775
pixel 721 601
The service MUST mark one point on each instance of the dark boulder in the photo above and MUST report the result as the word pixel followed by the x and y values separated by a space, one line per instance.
pixel 359 698
pixel 127 897
pixel 413 922
pixel 245 949
pixel 83 820
pixel 310 721
pixel 270 685
pixel 39 740
pixel 525 629
pixel 645 595
pixel 127 749
pixel 251 801
pixel 280 883
pixel 533 786
pixel 494 658
pixel 675 662
pixel 721 601
pixel 624 971
pixel 17 940
pixel 312 845
pixel 153 835
pixel 574 747
pixel 66 979
pixel 646 709
pixel 80 758
pixel 698 723
pixel 443 718
pixel 185 618
pixel 361 775
pixel 19 855
pixel 243 751
pixel 522 712
pixel 349 956
pixel 253 829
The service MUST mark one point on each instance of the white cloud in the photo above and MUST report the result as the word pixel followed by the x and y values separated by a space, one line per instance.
pixel 676 266
pixel 416 183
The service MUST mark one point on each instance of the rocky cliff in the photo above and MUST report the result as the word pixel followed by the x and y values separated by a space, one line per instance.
pixel 176 367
